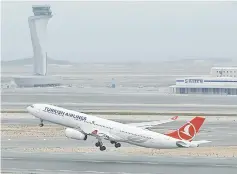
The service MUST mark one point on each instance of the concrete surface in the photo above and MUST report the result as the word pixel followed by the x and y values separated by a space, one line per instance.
pixel 110 163
pixel 107 99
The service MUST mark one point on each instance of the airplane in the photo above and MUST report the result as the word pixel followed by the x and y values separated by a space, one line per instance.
pixel 79 126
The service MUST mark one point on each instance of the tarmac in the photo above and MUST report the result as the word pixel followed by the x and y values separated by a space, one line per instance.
pixel 113 164
pixel 122 99
pixel 118 99
pixel 27 148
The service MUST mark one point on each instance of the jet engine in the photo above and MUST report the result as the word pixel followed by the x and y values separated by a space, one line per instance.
pixel 75 134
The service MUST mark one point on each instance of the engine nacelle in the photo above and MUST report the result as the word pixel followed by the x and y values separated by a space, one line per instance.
pixel 75 134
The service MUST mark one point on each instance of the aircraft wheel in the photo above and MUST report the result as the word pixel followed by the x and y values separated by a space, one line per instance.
pixel 112 142
pixel 85 137
pixel 97 144
pixel 102 148
pixel 41 123
pixel 117 145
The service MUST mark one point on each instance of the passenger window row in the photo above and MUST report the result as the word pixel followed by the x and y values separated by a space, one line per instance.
pixel 98 125
pixel 135 134
pixel 120 130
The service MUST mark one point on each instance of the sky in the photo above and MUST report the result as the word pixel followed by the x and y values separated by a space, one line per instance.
pixel 125 31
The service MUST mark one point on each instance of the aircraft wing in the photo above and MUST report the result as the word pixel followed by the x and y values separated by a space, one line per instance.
pixel 105 135
pixel 149 124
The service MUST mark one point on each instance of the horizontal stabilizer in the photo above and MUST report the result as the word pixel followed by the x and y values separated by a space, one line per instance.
pixel 186 144
pixel 201 142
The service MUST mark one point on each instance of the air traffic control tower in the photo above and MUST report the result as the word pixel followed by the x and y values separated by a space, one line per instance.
pixel 38 31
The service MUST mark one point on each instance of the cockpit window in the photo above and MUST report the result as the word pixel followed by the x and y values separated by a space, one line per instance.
pixel 32 106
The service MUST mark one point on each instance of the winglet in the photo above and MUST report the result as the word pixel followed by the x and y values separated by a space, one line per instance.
pixel 174 118
pixel 94 132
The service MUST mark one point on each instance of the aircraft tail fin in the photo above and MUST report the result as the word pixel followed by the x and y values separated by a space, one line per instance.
pixel 189 130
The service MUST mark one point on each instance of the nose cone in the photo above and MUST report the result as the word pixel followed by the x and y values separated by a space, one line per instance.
pixel 30 109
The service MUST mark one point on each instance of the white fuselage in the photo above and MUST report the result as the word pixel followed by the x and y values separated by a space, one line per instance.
pixel 114 130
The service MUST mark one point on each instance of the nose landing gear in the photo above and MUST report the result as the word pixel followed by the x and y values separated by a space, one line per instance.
pixel 41 123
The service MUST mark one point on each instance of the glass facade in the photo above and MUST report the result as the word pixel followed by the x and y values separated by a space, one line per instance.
pixel 215 91
pixel 42 11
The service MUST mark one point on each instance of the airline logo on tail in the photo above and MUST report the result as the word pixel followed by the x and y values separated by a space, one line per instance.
pixel 189 130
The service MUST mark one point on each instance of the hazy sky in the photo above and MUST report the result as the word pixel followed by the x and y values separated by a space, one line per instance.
pixel 101 31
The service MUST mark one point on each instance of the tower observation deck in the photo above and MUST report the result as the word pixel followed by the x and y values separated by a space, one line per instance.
pixel 42 10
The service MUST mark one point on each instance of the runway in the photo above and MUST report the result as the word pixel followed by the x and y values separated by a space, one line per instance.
pixel 108 95
pixel 114 164
pixel 27 148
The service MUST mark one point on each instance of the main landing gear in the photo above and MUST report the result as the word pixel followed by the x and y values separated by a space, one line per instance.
pixel 100 144
pixel 41 123
pixel 102 147
pixel 115 144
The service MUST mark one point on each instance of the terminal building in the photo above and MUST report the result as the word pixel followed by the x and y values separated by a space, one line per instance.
pixel 222 81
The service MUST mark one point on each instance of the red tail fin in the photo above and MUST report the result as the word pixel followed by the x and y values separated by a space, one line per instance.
pixel 189 130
